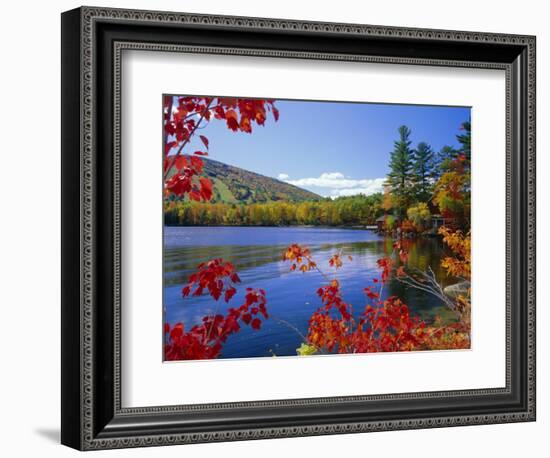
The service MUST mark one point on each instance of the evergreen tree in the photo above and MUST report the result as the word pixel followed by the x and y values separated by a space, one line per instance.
pixel 401 170
pixel 452 189
pixel 424 170
pixel 447 153
pixel 465 139
pixel 443 160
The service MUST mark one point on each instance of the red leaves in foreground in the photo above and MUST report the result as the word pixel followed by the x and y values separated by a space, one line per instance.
pixel 401 248
pixel 183 179
pixel 386 264
pixel 216 276
pixel 255 304
pixel 205 188
pixel 182 117
pixel 186 180
pixel 240 114
pixel 383 326
pixel 205 340
pixel 386 326
pixel 204 140
pixel 331 297
pixel 299 257
pixel 336 260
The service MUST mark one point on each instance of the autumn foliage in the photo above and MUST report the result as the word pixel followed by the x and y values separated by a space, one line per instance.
pixel 379 324
pixel 183 178
pixel 299 257
pixel 382 325
pixel 452 191
pixel 217 276
pixel 458 265
pixel 183 116
pixel 205 340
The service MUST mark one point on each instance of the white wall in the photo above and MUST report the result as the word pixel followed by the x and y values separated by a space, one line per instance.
pixel 30 241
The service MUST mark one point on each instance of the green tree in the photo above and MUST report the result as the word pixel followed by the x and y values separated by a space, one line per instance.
pixel 452 190
pixel 424 168
pixel 465 139
pixel 445 156
pixel 420 215
pixel 401 170
pixel 348 210
pixel 448 154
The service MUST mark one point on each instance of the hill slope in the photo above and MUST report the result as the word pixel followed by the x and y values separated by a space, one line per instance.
pixel 235 185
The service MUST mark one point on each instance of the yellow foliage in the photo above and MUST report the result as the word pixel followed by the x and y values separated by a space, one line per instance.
pixel 420 215
pixel 387 201
pixel 460 244
pixel 306 350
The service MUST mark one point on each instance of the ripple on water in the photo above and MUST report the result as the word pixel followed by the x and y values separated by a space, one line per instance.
pixel 256 254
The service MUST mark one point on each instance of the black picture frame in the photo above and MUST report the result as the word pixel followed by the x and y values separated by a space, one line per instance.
pixel 92 415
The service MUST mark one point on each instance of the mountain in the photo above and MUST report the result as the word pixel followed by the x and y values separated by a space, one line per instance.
pixel 235 185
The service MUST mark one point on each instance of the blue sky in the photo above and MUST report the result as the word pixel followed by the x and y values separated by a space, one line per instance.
pixel 331 148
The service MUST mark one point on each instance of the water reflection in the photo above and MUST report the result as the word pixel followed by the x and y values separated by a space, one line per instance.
pixel 256 253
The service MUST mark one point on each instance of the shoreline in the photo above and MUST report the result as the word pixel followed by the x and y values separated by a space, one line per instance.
pixel 302 226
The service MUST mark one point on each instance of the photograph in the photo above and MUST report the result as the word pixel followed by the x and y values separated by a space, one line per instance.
pixel 299 228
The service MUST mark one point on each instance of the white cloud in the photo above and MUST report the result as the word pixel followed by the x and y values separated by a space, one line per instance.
pixel 339 184
pixel 283 176
pixel 376 185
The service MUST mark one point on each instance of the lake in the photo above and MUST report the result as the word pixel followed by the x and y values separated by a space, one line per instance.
pixel 256 253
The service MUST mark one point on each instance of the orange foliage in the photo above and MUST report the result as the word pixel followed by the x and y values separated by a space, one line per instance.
pixel 460 265
pixel 451 193
pixel 182 117
pixel 383 326
pixel 299 257
pixel 408 226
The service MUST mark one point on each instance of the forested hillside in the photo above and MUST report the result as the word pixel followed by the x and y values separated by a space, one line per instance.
pixel 235 185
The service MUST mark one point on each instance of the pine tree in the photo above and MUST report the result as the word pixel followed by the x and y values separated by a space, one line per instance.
pixel 447 153
pixel 401 170
pixel 443 160
pixel 465 140
pixel 424 168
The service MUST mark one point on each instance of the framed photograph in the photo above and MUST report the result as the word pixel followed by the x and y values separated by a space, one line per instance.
pixel 276 228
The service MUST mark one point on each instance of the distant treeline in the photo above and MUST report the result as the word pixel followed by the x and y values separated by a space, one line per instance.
pixel 343 211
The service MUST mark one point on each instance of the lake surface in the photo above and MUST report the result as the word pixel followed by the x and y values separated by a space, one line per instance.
pixel 256 253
